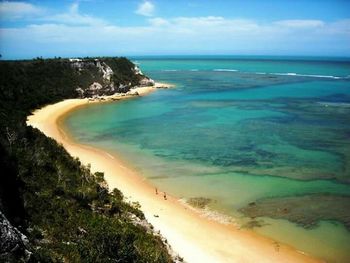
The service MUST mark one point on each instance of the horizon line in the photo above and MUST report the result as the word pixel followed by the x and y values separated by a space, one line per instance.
pixel 176 55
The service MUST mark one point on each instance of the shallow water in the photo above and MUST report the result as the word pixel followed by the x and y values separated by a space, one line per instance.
pixel 237 131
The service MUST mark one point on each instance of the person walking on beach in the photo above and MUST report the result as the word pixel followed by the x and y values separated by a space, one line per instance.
pixel 156 191
pixel 164 195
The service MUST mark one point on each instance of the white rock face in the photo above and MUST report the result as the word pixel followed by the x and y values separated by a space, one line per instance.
pixel 106 70
pixel 75 60
pixel 121 86
pixel 12 240
pixel 137 70
pixel 80 64
pixel 95 86
pixel 146 82
pixel 80 92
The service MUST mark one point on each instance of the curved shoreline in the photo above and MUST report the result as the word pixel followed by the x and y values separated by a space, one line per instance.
pixel 195 238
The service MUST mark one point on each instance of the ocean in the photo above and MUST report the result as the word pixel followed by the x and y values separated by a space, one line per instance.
pixel 263 142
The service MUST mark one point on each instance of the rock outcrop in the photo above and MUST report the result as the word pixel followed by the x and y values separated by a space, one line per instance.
pixel 146 82
pixel 106 71
pixel 13 244
pixel 107 76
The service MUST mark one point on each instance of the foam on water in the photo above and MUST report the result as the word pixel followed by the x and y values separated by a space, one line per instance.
pixel 307 75
pixel 225 70
pixel 268 73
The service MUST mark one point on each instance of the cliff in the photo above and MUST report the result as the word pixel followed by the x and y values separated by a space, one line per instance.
pixel 106 76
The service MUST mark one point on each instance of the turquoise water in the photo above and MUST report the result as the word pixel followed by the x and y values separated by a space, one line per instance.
pixel 238 130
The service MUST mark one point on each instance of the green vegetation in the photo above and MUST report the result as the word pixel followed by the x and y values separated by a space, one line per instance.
pixel 122 73
pixel 65 211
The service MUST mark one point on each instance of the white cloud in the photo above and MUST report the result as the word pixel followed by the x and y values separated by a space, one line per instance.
pixel 215 23
pixel 145 8
pixel 197 27
pixel 77 33
pixel 73 17
pixel 16 10
pixel 339 27
pixel 74 8
pixel 158 21
pixel 300 23
pixel 199 21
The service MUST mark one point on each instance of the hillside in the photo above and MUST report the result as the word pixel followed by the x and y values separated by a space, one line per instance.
pixel 52 208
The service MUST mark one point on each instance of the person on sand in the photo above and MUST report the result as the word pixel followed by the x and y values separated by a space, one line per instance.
pixel 164 195
pixel 156 191
pixel 277 246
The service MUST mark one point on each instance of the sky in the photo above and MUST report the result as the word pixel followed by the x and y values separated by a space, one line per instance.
pixel 78 28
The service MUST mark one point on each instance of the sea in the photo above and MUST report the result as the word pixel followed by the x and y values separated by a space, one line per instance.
pixel 261 142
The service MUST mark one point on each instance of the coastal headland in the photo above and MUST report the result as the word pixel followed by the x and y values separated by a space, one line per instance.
pixel 195 237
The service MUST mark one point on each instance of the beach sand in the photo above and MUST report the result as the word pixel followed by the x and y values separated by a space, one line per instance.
pixel 194 237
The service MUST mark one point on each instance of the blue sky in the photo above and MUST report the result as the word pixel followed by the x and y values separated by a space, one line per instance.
pixel 163 27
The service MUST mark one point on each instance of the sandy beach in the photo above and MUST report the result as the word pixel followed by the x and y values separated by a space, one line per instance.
pixel 192 236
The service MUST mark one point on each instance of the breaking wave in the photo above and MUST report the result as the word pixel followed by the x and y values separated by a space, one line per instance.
pixel 306 75
pixel 223 69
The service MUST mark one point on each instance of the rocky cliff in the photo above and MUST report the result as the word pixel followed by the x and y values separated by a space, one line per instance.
pixel 106 76
pixel 13 244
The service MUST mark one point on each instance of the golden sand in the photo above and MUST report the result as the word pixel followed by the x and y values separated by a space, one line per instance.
pixel 195 238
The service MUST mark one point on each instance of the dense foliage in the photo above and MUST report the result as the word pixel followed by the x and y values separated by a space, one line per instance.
pixel 65 211
pixel 121 68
